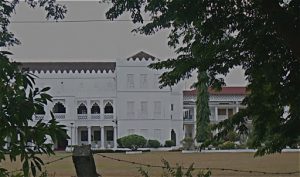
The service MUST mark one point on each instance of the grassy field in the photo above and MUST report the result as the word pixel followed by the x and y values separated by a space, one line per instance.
pixel 284 162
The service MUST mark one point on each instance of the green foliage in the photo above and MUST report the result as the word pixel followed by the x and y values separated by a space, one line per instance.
pixel 178 171
pixel 232 136
pixel 202 117
pixel 153 144
pixel 227 145
pixel 214 36
pixel 169 143
pixel 20 100
pixel 133 141
pixel 188 143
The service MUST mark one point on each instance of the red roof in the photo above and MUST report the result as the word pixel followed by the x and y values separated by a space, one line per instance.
pixel 224 91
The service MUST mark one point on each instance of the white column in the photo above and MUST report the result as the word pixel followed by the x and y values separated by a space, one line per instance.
pixel 89 135
pixel 75 135
pixel 195 122
pixel 237 109
pixel 102 137
pixel 216 113
pixel 115 137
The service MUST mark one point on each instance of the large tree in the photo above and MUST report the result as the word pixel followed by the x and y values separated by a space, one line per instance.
pixel 262 36
pixel 20 100
pixel 203 131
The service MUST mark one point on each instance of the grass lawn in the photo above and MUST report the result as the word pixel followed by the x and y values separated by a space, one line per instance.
pixel 284 162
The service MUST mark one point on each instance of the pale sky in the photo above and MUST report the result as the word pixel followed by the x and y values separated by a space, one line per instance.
pixel 90 41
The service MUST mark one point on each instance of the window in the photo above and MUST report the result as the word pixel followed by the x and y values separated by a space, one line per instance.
pixel 108 109
pixel 95 109
pixel 130 81
pixel 157 108
pixel 172 107
pixel 84 135
pixel 143 81
pixel 156 80
pixel 144 107
pixel 109 135
pixel 97 135
pixel 222 112
pixel 40 110
pixel 130 108
pixel 59 108
pixel 82 109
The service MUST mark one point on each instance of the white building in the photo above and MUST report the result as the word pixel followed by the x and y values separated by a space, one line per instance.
pixel 222 105
pixel 102 101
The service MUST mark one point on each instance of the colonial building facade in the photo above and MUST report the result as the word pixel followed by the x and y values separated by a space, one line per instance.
pixel 100 102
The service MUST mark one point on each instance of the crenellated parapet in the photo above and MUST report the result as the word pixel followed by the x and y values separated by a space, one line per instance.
pixel 71 69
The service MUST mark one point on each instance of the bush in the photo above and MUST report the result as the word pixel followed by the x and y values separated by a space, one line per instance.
pixel 133 142
pixel 227 145
pixel 232 136
pixel 153 144
pixel 169 143
pixel 188 143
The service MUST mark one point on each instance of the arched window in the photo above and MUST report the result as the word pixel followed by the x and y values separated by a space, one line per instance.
pixel 95 109
pixel 59 108
pixel 108 109
pixel 40 110
pixel 82 109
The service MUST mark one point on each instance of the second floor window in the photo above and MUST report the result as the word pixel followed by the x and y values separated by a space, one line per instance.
pixel 143 81
pixel 108 109
pixel 95 109
pixel 130 81
pixel 59 108
pixel 144 107
pixel 157 107
pixel 82 109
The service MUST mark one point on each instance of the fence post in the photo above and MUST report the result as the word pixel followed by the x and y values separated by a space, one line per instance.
pixel 84 161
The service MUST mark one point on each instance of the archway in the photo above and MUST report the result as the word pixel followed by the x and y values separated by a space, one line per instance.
pixel 173 136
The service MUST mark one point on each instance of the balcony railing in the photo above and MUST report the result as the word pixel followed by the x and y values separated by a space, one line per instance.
pixel 95 116
pixel 188 117
pixel 108 116
pixel 59 115
pixel 82 116
pixel 39 116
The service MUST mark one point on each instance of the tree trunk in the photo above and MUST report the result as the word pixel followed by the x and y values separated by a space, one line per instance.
pixel 84 161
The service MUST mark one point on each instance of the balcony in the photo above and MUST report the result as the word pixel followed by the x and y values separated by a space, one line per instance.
pixel 82 116
pixel 108 116
pixel 188 119
pixel 95 116
pixel 59 115
pixel 39 116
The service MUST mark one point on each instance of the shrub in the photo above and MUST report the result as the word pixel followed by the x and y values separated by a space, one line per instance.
pixel 133 141
pixel 232 136
pixel 227 145
pixel 119 142
pixel 153 143
pixel 188 143
pixel 169 143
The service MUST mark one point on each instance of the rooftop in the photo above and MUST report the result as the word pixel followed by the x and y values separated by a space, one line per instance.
pixel 69 66
pixel 224 91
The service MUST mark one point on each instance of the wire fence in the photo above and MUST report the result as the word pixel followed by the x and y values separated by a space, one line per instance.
pixel 163 167
pixel 201 168
pixel 46 163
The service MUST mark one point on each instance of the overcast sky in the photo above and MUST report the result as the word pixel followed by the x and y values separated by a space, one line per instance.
pixel 89 41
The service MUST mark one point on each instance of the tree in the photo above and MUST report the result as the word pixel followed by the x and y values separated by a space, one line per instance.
pixel 202 117
pixel 20 100
pixel 262 36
